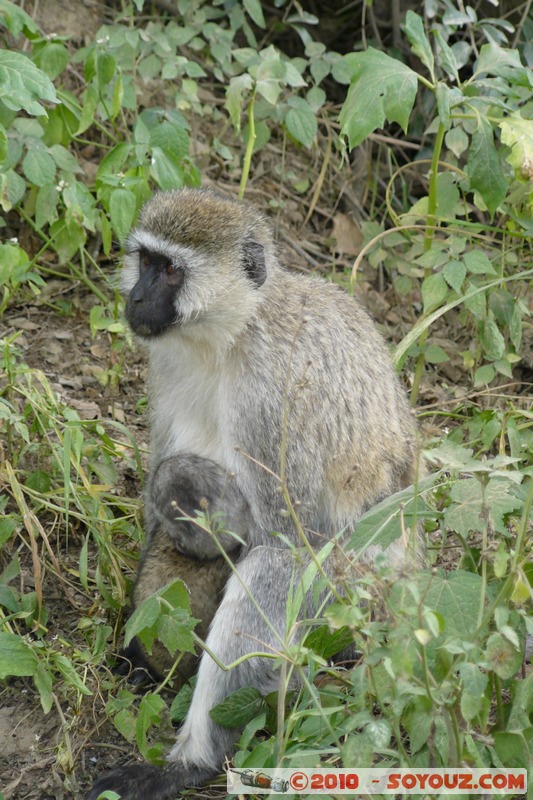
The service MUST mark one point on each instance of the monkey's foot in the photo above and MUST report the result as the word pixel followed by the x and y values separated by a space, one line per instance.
pixel 147 782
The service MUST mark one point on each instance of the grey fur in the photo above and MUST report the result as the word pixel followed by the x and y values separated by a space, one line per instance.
pixel 258 362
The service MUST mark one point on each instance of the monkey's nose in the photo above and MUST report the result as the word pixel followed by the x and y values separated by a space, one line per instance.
pixel 136 295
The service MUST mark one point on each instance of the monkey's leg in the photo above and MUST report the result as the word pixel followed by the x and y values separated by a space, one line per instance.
pixel 160 564
pixel 238 628
pixel 186 483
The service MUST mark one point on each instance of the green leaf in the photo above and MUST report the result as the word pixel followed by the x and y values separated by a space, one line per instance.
pixel 456 140
pixel 491 338
pixel 181 704
pixel 65 667
pixel 43 683
pixel 513 750
pixel 23 85
pixel 144 616
pixel 172 138
pixel 234 94
pixel 517 133
pixel 414 28
pixel 382 524
pixel 434 291
pixel 16 19
pixel 106 67
pixel 382 89
pixel 464 513
pixel 122 208
pixel 3 143
pixel 39 167
pixel 503 657
pixel 446 57
pixel 175 629
pixel 165 170
pixel 474 681
pixel 455 596
pixel 484 375
pixel 16 656
pixel 435 354
pixel 301 123
pixel 496 60
pixel 239 708
pixel 478 263
pixel 254 9
pixel 150 710
pixel 53 59
pixel 454 274
pixel 484 169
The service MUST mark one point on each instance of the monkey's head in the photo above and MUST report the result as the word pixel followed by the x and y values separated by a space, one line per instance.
pixel 197 261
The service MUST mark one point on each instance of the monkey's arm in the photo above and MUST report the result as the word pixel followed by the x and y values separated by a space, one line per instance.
pixel 185 483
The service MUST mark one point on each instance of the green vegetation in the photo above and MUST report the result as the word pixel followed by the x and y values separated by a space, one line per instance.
pixel 210 93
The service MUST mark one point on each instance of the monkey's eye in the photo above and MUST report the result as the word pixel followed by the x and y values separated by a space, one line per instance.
pixel 169 267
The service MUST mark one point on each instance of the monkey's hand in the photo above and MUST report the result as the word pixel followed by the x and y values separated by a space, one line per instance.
pixel 147 782
pixel 187 483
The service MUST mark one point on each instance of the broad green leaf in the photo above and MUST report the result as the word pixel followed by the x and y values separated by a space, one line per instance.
pixel 464 513
pixel 484 169
pixel 39 167
pixel 496 60
pixel 172 138
pixel 301 123
pixel 455 596
pixel 456 140
pixel 478 263
pixel 43 684
pixel 144 616
pixel 513 751
pixel 473 679
pixel 446 57
pixel 484 375
pixel 234 94
pixel 254 9
pixel 382 89
pixel 522 704
pixel 150 710
pixel 122 207
pixel 471 705
pixel 381 525
pixel 491 338
pixel 517 133
pixel 16 19
pixel 181 704
pixel 175 630
pixel 66 668
pixel 16 656
pixel 414 28
pixel 454 274
pixel 53 59
pixel 435 354
pixel 503 657
pixel 239 708
pixel 166 170
pixel 46 205
pixel 23 85
pixel 434 291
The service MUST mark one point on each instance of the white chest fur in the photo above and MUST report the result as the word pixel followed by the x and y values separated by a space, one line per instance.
pixel 188 402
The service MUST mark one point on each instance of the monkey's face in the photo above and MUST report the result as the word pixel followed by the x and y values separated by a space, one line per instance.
pixel 151 304
pixel 193 262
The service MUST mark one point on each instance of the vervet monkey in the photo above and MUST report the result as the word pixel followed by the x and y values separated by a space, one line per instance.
pixel 255 372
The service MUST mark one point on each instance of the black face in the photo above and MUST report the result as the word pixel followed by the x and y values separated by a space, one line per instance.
pixel 150 308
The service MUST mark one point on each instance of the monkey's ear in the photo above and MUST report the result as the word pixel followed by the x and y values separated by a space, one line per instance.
pixel 254 261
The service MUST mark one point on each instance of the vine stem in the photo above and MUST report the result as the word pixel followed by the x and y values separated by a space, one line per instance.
pixel 428 241
pixel 249 146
